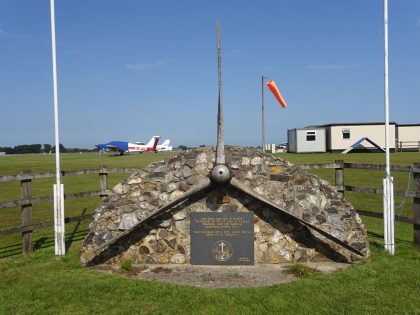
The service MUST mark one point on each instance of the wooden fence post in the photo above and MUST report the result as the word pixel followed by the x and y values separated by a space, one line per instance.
pixel 103 182
pixel 26 211
pixel 339 176
pixel 416 203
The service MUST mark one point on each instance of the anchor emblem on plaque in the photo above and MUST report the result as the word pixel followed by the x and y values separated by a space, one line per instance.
pixel 222 250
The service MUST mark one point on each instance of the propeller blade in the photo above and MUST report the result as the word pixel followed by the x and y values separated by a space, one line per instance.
pixel 220 147
pixel 192 191
pixel 238 185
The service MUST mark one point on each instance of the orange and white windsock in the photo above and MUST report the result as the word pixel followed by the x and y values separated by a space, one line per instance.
pixel 273 88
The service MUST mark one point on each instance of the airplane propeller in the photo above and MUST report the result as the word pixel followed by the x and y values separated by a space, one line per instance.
pixel 221 175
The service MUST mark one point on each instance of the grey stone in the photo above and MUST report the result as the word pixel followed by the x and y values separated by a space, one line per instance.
pixel 176 194
pixel 165 223
pixel 183 226
pixel 178 259
pixel 190 163
pixel 256 161
pixel 359 245
pixel 321 218
pixel 162 234
pixel 121 189
pixel 179 216
pixel 234 166
pixel 201 158
pixel 191 180
pixel 156 174
pixel 249 175
pixel 164 196
pixel 128 220
pixel 280 177
pixel 171 187
pixel 187 172
pixel 333 220
pixel 331 210
pixel 246 161
pixel 135 193
pixel 169 178
pixel 202 169
pixel 134 180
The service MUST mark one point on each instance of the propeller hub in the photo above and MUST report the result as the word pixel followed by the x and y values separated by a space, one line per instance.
pixel 220 174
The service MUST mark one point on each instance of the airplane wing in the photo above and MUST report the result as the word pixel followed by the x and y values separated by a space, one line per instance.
pixel 113 148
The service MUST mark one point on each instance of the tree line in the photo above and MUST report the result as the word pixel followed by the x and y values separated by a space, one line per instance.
pixel 39 148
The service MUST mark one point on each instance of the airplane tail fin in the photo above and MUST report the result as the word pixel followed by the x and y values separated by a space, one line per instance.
pixel 166 142
pixel 153 142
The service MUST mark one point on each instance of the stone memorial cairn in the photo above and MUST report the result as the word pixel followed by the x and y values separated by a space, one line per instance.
pixel 121 229
pixel 297 217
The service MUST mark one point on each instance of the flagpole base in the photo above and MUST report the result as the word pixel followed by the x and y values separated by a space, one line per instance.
pixel 59 230
pixel 389 215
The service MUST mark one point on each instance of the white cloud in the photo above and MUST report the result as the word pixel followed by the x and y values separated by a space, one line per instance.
pixel 145 65
pixel 335 67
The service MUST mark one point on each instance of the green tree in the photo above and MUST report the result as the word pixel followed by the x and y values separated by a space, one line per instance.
pixel 47 148
pixel 61 147
pixel 27 148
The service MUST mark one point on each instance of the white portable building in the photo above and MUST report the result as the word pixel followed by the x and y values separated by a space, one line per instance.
pixel 306 140
pixel 408 137
pixel 342 135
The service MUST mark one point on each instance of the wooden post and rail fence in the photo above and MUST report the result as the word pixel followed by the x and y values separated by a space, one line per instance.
pixel 26 201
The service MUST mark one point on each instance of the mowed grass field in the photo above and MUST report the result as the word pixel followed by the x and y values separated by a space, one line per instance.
pixel 43 284
pixel 41 212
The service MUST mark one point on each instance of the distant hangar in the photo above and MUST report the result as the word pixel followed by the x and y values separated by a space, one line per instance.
pixel 339 137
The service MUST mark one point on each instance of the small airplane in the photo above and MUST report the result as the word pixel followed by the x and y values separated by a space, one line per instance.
pixel 164 146
pixel 121 147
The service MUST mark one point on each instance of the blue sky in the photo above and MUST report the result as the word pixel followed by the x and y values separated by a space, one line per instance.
pixel 128 70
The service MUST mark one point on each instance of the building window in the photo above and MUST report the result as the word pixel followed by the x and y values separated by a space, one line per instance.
pixel 346 133
pixel 310 136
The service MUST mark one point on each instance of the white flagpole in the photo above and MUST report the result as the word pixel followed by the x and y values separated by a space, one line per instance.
pixel 388 187
pixel 58 187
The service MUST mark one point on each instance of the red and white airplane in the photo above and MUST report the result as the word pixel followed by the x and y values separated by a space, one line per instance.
pixel 123 146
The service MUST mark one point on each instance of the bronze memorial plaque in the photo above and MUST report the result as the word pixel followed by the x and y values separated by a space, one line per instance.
pixel 222 238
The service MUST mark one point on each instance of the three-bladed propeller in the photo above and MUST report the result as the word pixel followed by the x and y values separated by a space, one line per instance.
pixel 221 175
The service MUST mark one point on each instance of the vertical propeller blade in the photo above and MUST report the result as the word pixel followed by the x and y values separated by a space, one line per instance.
pixel 220 148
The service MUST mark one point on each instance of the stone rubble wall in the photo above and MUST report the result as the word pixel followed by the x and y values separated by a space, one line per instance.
pixel 276 237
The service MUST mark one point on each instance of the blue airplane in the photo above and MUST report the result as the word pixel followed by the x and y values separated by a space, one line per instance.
pixel 121 147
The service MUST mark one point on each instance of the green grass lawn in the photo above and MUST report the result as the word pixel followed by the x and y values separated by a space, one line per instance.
pixel 13 164
pixel 43 284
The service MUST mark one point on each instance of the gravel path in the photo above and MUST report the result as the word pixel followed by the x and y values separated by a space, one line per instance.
pixel 221 276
